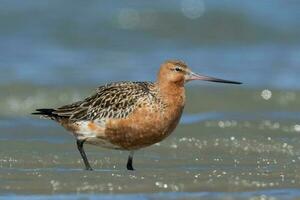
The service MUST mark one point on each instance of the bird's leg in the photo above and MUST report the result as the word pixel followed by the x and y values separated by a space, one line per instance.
pixel 83 155
pixel 129 161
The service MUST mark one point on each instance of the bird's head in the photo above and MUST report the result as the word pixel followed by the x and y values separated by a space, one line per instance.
pixel 178 72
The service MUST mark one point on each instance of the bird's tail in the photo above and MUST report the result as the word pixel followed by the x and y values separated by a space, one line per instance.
pixel 46 113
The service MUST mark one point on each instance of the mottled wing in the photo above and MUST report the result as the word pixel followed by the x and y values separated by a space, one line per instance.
pixel 115 100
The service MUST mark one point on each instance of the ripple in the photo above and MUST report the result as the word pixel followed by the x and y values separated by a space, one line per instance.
pixel 239 116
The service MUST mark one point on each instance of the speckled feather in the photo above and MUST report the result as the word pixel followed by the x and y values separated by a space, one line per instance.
pixel 114 100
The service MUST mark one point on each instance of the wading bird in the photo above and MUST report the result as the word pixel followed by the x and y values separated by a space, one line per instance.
pixel 129 115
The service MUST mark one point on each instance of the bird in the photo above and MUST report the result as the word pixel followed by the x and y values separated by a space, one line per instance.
pixel 129 115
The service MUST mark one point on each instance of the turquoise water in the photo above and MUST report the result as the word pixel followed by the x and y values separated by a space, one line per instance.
pixel 233 142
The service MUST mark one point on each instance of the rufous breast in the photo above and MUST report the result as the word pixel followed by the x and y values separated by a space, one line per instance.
pixel 147 125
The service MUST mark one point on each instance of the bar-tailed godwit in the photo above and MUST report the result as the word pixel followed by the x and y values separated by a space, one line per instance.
pixel 129 115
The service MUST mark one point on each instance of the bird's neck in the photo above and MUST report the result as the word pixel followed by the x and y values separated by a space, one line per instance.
pixel 172 92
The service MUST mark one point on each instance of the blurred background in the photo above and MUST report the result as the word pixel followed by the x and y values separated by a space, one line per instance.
pixel 73 43
pixel 243 138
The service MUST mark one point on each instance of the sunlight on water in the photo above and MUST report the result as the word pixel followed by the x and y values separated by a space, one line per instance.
pixel 229 151
pixel 193 9
pixel 266 94
pixel 233 142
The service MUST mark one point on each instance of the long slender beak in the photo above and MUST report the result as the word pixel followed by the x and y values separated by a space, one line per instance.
pixel 194 76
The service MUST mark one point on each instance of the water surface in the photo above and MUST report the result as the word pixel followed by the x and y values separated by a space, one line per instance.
pixel 233 142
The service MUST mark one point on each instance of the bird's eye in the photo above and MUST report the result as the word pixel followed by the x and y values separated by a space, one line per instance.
pixel 177 69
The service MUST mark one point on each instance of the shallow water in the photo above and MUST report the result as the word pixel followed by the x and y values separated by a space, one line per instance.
pixel 221 148
pixel 233 142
